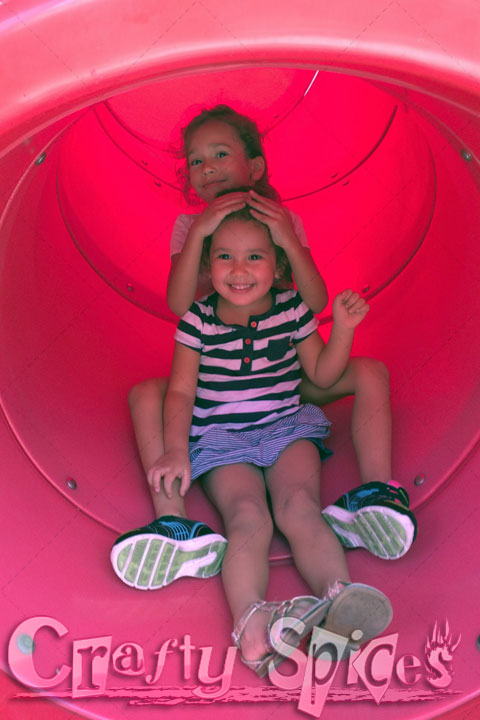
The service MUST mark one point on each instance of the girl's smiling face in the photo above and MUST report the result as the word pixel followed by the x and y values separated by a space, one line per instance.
pixel 243 265
pixel 217 161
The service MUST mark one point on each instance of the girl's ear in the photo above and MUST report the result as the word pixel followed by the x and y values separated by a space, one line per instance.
pixel 257 167
pixel 280 270
pixel 283 271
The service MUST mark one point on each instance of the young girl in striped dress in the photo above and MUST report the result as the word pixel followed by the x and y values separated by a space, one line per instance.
pixel 233 415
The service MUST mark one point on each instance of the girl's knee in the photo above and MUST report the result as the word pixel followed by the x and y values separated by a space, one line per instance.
pixel 250 518
pixel 295 508
pixel 152 390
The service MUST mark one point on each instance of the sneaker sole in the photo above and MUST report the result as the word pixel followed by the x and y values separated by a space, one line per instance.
pixel 384 532
pixel 359 607
pixel 149 561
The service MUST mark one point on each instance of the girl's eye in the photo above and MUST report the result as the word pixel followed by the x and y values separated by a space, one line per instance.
pixel 255 256
pixel 221 153
pixel 194 162
pixel 224 256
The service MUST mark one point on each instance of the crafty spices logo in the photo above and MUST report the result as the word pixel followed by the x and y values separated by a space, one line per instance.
pixel 93 667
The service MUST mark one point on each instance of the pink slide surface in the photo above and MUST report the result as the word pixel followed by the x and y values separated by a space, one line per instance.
pixel 370 114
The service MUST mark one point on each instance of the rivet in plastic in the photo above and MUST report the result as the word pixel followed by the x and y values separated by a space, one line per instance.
pixel 25 644
pixel 345 183
pixel 478 642
pixel 466 154
pixel 419 480
pixel 130 287
pixel 71 483
pixel 365 288
pixel 41 158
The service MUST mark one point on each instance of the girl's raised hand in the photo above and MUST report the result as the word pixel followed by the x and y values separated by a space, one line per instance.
pixel 208 221
pixel 174 465
pixel 275 216
pixel 349 309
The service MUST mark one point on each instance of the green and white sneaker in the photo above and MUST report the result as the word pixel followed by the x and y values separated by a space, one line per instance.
pixel 374 516
pixel 168 549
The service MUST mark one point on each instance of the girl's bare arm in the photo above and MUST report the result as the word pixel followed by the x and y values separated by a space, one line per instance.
pixel 325 363
pixel 308 280
pixel 184 280
pixel 184 283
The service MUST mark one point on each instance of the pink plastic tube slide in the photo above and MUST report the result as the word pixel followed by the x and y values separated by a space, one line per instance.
pixel 370 114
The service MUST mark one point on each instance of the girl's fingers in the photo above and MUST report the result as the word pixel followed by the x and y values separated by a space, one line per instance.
pixel 232 198
pixel 262 210
pixel 356 307
pixel 352 300
pixel 360 308
pixel 345 295
pixel 265 203
pixel 169 478
pixel 271 219
pixel 230 207
pixel 257 197
pixel 263 217
pixel 234 201
pixel 154 480
pixel 184 483
pixel 167 484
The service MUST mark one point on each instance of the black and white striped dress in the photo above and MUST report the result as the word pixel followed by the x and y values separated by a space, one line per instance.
pixel 247 407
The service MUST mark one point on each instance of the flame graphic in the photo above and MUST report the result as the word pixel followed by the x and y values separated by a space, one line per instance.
pixel 439 650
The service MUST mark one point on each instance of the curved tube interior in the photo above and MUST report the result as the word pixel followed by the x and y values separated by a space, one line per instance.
pixel 390 206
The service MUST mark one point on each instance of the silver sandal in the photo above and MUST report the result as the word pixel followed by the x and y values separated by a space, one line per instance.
pixel 357 611
pixel 308 610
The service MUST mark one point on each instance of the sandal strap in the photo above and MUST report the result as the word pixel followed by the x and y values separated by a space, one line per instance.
pixel 288 607
pixel 336 588
pixel 312 614
pixel 251 609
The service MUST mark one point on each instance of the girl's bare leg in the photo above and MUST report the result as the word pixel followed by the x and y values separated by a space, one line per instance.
pixel 294 484
pixel 171 546
pixel 378 517
pixel 368 381
pixel 238 491
pixel 146 408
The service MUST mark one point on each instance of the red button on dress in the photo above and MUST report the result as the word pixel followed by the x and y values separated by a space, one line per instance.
pixel 248 341
pixel 253 323
pixel 246 360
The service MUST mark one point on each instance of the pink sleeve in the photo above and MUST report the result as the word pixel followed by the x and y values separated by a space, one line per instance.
pixel 180 230
pixel 299 229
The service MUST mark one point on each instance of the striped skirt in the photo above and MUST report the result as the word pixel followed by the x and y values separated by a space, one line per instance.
pixel 261 446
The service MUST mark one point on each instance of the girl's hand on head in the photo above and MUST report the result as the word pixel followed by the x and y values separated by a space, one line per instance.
pixel 349 309
pixel 174 465
pixel 208 221
pixel 276 218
